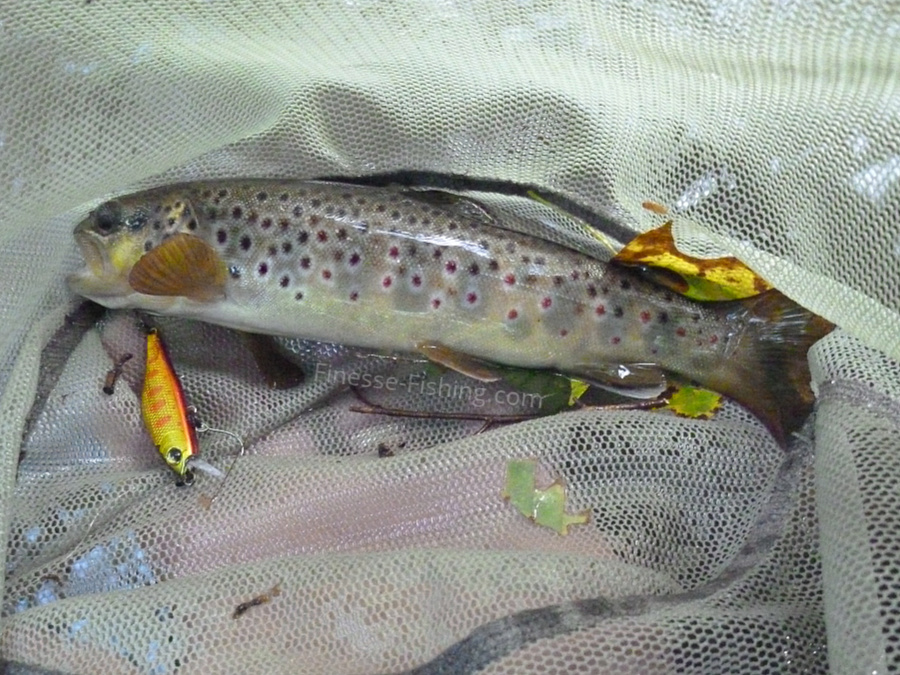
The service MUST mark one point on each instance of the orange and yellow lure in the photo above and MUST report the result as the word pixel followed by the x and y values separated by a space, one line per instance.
pixel 165 411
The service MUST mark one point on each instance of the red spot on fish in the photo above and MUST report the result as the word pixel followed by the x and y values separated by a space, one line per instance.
pixel 616 340
pixel 450 266
pixel 386 282
pixel 394 252
pixel 546 303
pixel 645 317
pixel 600 310
pixel 354 259
pixel 563 333
pixel 322 235
pixel 509 279
pixel 680 332
pixel 353 296
pixel 326 274
pixel 713 339
pixel 471 298
pixel 512 315
pixel 416 280
pixel 436 302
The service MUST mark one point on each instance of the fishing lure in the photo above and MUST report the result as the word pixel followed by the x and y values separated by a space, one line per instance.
pixel 165 411
pixel 171 423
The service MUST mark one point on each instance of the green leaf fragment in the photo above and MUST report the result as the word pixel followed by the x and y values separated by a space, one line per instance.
pixel 695 403
pixel 545 507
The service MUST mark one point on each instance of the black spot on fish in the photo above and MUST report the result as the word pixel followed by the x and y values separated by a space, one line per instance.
pixel 237 212
pixel 298 295
pixel 341 234
pixel 304 263
pixel 668 297
pixel 266 223
pixel 412 250
pixel 223 192
pixel 285 280
pixel 286 247
pixel 283 197
pixel 157 224
pixel 273 250
pixel 395 215
pixel 315 203
pixel 493 265
pixel 473 269
pixel 510 247
pixel 170 222
pixel 298 211
pixel 663 317
pixel 206 194
pixel 262 196
pixel 539 260
pixel 263 269
pixel 346 196
pixel 526 259
pixel 381 208
pixel 592 291
pixel 411 220
pixel 624 284
pixel 192 224
pixel 148 245
pixel 558 280
pixel 695 317
pixel 245 242
pixel 453 225
pixel 618 312
pixel 303 236
pixel 252 218
pixel 338 256
pixel 284 223
pixel 437 253
pixel 235 272
pixel 221 236
pixel 354 259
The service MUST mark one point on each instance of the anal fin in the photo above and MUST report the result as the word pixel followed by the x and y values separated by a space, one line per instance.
pixel 634 380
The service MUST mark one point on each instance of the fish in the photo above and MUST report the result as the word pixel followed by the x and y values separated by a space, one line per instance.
pixel 404 271
pixel 167 416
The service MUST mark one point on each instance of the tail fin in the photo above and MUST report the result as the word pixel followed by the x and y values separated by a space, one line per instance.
pixel 770 372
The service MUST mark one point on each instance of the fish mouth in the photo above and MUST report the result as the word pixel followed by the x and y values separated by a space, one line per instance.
pixel 98 278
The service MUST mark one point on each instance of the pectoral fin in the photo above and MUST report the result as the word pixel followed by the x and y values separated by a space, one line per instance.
pixel 635 380
pixel 459 362
pixel 182 265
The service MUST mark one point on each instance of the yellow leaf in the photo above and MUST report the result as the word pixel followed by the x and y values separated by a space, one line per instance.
pixel 696 278
pixel 694 402
pixel 577 389
pixel 545 507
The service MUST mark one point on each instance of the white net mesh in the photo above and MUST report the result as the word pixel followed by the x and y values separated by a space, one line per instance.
pixel 378 544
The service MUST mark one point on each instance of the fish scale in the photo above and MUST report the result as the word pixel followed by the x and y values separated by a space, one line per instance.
pixel 388 269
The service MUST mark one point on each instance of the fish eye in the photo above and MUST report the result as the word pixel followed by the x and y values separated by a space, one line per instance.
pixel 173 456
pixel 108 217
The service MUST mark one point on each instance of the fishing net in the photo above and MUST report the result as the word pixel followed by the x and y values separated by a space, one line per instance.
pixel 346 542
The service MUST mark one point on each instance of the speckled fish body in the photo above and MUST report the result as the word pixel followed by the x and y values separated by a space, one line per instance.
pixel 388 269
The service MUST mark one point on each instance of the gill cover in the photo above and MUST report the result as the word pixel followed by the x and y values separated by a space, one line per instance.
pixel 165 411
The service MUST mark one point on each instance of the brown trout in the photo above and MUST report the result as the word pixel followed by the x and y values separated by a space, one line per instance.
pixel 401 270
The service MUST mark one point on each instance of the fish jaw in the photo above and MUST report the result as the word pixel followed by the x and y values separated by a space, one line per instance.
pixel 104 276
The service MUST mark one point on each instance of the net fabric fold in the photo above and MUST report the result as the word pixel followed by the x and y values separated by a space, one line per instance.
pixel 767 129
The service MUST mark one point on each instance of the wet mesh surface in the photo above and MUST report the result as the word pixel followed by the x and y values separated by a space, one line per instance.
pixel 768 130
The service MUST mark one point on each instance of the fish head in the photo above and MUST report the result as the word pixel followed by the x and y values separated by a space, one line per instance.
pixel 116 234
